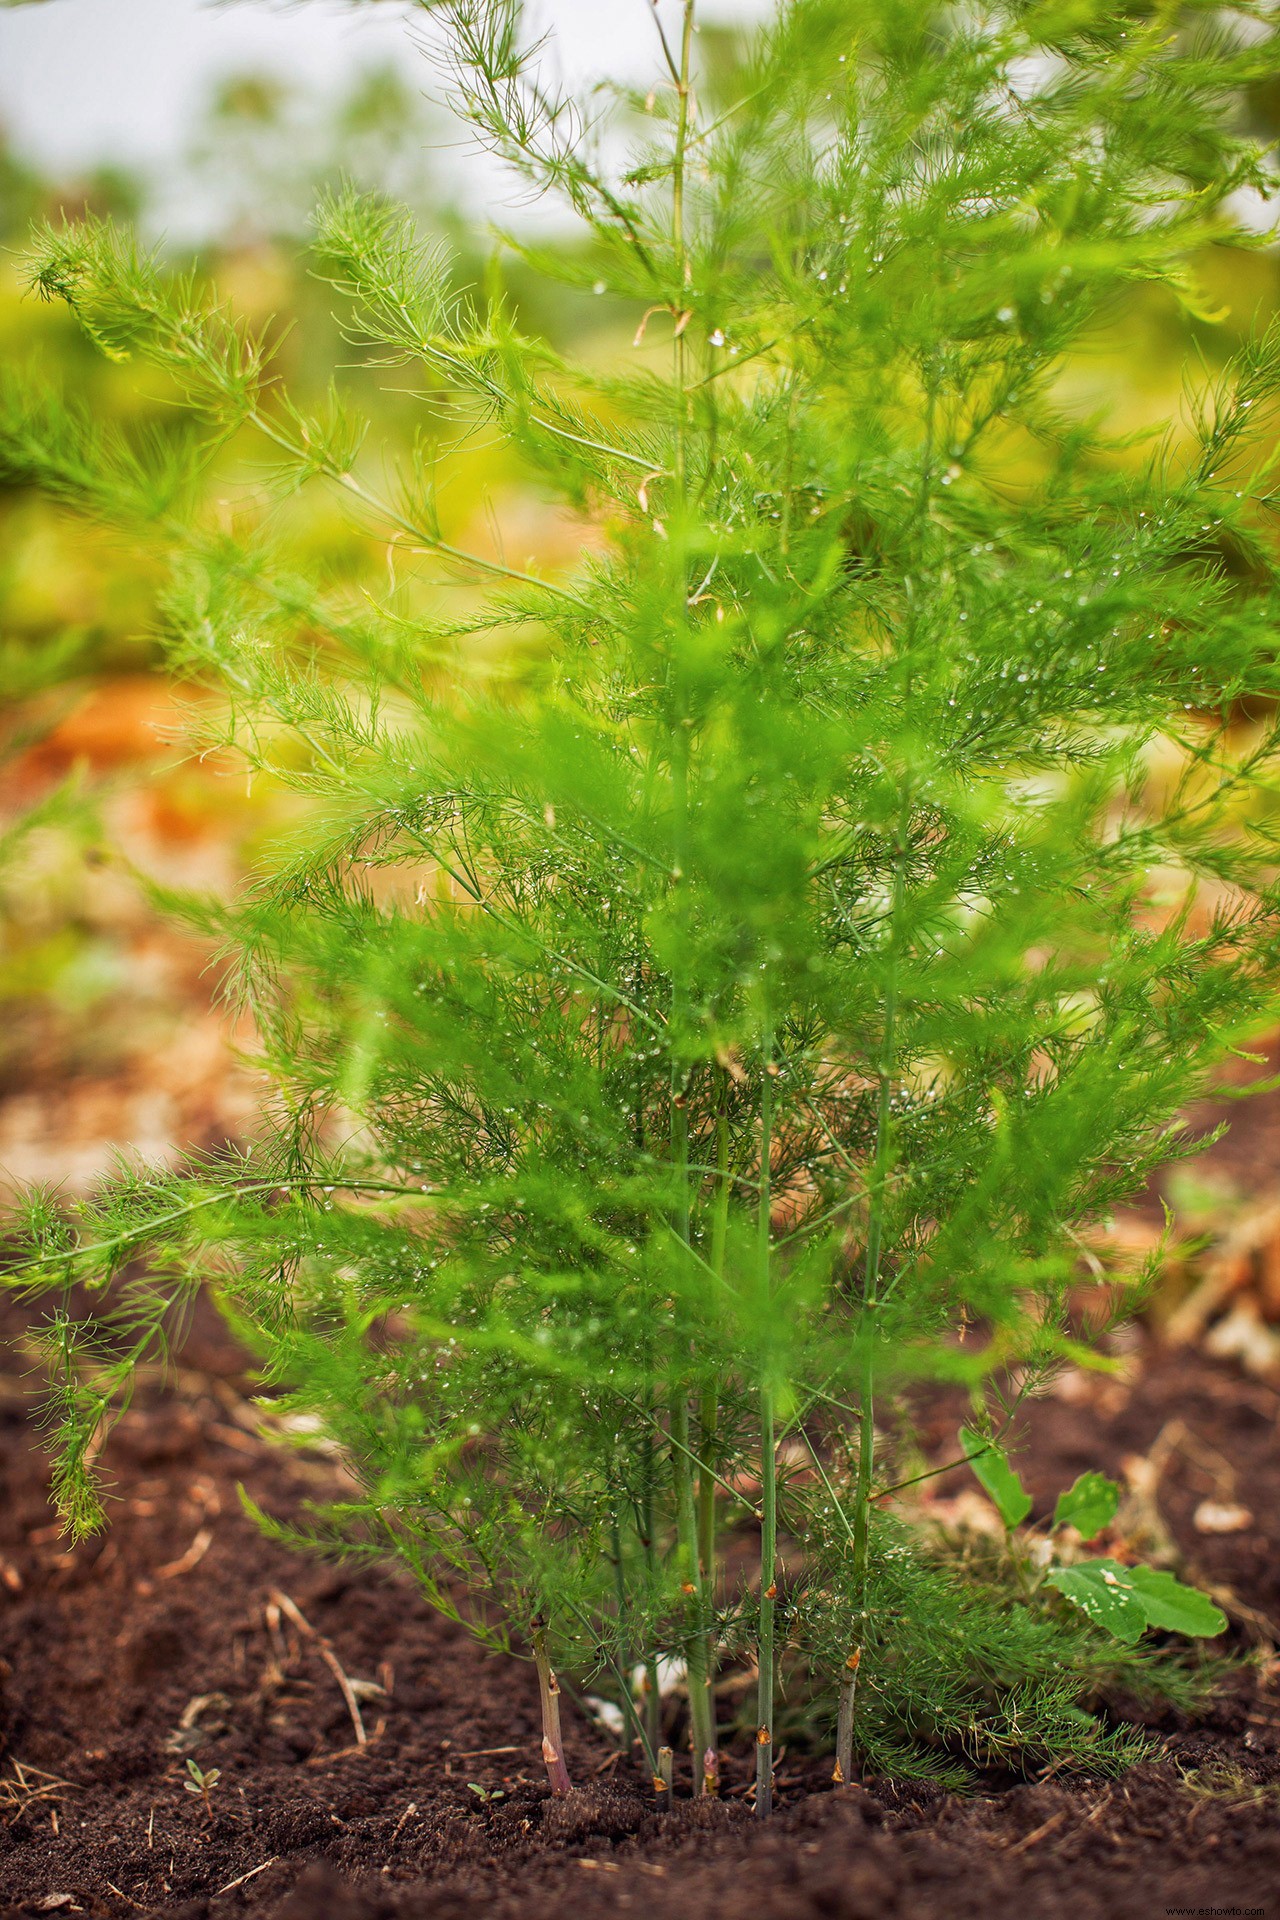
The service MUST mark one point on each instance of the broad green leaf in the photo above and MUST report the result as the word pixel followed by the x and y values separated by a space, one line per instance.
pixel 997 1478
pixel 1088 1506
pixel 1127 1600
pixel 1101 1588
pixel 1175 1607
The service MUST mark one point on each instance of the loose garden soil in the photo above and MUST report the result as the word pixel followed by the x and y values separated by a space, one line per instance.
pixel 176 1635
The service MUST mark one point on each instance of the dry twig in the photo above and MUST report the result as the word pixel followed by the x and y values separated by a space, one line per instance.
pixel 293 1612
pixel 194 1554
pixel 28 1786
pixel 251 1875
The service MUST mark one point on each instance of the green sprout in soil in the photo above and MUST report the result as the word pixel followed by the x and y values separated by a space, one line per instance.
pixel 720 982
pixel 485 1796
pixel 203 1780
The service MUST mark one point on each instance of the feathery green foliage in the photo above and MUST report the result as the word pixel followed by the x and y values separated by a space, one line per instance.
pixel 958 1673
pixel 731 998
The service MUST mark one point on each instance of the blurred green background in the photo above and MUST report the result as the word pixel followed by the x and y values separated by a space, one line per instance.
pixel 111 1036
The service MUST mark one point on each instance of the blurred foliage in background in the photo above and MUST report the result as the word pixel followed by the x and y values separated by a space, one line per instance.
pixel 109 1032
pixel 110 1029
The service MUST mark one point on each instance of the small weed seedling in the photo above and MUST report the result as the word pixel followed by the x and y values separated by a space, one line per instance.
pixel 722 979
pixel 486 1796
pixel 202 1781
pixel 1124 1600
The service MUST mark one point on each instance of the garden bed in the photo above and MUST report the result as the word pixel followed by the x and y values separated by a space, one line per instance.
pixel 162 1641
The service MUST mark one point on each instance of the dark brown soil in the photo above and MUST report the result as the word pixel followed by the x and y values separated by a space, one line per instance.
pixel 126 1656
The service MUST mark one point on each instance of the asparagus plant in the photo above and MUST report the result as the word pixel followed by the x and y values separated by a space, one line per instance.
pixel 724 981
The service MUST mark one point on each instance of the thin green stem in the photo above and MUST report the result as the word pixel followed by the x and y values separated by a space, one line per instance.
pixel 700 1705
pixel 649 1547
pixel 709 1410
pixel 430 542
pixel 621 1669
pixel 768 1481
pixel 701 1718
pixel 468 374
pixel 147 1229
pixel 708 1423
pixel 682 257
pixel 768 1607
pixel 703 1465
pixel 682 1455
pixel 871 1284
pixel 948 1466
